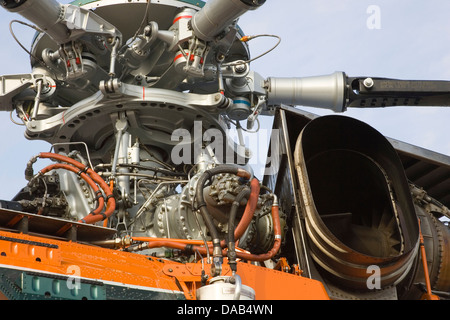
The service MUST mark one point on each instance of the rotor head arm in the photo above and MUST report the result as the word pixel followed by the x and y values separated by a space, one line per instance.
pixel 63 23
pixel 217 15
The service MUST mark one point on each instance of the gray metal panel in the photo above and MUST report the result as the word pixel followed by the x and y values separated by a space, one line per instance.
pixel 37 224
pixel 427 169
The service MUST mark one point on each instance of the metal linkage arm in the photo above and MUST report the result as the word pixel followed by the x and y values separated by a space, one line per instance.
pixel 24 87
pixel 217 15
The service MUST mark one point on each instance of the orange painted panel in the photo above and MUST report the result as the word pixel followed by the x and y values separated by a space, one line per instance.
pixel 96 263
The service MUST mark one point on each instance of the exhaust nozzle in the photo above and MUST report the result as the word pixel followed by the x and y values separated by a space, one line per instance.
pixel 359 210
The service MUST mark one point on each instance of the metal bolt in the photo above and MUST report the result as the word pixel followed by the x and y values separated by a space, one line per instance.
pixel 368 83
pixel 220 57
pixel 241 68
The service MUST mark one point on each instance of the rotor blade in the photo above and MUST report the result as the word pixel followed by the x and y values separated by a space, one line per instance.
pixel 383 92
pixel 338 92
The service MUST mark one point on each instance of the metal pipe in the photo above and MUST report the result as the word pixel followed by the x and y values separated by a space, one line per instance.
pixel 238 287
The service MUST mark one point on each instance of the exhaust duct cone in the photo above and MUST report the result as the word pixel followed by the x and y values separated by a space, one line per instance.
pixel 358 207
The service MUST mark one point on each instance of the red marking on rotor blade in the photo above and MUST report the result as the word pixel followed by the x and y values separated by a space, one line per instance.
pixel 178 57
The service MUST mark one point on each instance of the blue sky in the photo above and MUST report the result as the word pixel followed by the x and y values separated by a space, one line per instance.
pixel 318 37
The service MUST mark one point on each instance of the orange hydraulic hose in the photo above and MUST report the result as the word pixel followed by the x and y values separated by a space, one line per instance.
pixel 239 231
pixel 277 241
pixel 111 187
pixel 247 216
pixel 201 204
pixel 111 202
pixel 181 244
pixel 249 209
pixel 85 177
pixel 428 295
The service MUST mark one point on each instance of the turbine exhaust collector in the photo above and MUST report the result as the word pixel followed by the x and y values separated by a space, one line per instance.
pixel 358 207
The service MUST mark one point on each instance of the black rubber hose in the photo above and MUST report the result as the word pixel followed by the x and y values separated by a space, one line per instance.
pixel 201 204
pixel 244 194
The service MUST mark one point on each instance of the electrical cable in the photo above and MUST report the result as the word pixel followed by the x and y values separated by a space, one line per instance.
pixel 248 38
pixel 13 121
pixel 17 40
pixel 40 61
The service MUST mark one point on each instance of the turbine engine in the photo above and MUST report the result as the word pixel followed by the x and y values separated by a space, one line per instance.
pixel 144 105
